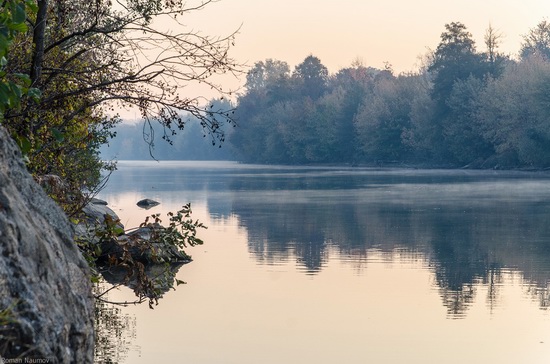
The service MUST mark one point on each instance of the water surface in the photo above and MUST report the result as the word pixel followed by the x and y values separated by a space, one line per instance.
pixel 348 265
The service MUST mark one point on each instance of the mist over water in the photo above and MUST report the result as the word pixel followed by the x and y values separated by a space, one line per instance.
pixel 348 264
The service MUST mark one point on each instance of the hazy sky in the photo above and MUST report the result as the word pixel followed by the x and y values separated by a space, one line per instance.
pixel 340 31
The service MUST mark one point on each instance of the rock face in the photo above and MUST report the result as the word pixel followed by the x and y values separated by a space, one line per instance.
pixel 94 214
pixel 46 306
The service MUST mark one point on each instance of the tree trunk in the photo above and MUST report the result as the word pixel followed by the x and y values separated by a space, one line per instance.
pixel 38 41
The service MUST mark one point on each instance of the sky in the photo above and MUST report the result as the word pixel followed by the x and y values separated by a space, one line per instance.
pixel 399 32
pixel 339 32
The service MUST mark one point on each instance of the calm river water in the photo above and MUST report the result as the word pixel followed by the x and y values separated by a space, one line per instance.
pixel 342 265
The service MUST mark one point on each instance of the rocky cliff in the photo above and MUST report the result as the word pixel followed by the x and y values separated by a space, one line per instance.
pixel 46 307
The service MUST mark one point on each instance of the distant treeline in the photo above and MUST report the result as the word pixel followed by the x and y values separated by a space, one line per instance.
pixel 463 107
pixel 143 140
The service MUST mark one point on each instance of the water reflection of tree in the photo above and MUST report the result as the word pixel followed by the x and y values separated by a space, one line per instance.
pixel 466 241
pixel 540 294
pixel 115 332
pixel 494 281
pixel 294 235
pixel 466 246
pixel 460 259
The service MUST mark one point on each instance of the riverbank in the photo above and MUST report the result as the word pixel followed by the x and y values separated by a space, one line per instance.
pixel 46 304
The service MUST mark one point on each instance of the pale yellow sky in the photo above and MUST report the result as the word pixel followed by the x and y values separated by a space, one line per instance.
pixel 340 31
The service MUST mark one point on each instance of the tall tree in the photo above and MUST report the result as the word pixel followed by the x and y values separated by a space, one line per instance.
pixel 312 76
pixel 514 112
pixel 356 83
pixel 385 117
pixel 496 60
pixel 87 58
pixel 266 86
pixel 537 41
pixel 464 135
pixel 263 74
pixel 455 59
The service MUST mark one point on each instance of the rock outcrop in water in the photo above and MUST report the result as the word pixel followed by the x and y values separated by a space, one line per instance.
pixel 46 306
pixel 147 203
pixel 140 243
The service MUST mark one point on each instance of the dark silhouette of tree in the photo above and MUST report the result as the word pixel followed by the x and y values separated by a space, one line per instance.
pixel 537 41
pixel 455 59
pixel 312 77
pixel 263 74
pixel 496 59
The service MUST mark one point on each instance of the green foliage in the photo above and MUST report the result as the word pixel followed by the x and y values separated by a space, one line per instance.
pixel 149 279
pixel 71 64
pixel 296 118
pixel 7 319
pixel 12 22
pixel 59 140
pixel 537 42
pixel 464 108
pixel 265 73
pixel 514 113
pixel 312 77
pixel 455 59
pixel 7 316
pixel 463 129
pixel 382 121
pixel 13 86
pixel 180 232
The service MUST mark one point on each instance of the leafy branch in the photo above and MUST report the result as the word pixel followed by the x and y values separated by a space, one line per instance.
pixel 143 254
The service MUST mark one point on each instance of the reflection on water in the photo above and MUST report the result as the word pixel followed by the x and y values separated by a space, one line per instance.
pixel 115 330
pixel 475 235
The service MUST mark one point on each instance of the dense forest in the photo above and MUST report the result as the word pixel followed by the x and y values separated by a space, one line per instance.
pixel 463 107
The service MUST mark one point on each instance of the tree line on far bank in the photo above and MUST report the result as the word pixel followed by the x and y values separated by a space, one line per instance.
pixel 142 140
pixel 464 107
